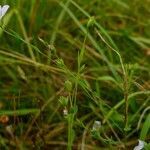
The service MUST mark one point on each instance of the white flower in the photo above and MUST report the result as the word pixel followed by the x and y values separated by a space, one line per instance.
pixel 140 146
pixel 3 10
pixel 96 125
pixel 65 111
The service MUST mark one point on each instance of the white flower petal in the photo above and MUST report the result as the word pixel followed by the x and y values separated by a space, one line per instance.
pixel 3 10
pixel 96 125
pixel 65 111
pixel 140 146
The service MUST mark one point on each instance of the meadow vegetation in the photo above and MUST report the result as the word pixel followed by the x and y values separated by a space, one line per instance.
pixel 74 74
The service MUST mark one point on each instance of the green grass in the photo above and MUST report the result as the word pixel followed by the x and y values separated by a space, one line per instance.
pixel 65 64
